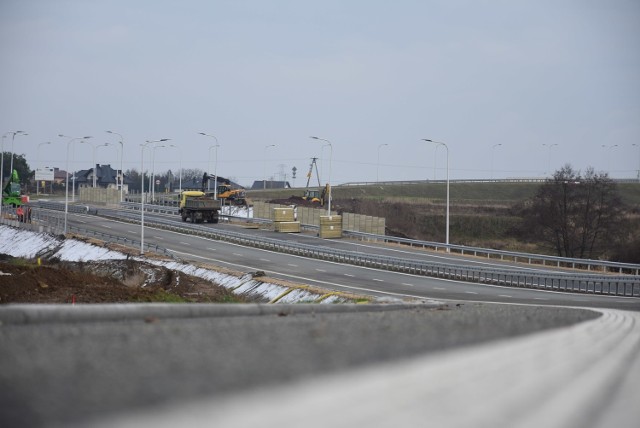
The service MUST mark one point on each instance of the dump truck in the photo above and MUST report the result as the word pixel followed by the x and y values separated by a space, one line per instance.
pixel 198 207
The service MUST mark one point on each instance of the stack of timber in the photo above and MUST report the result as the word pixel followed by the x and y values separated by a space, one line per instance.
pixel 330 226
pixel 284 220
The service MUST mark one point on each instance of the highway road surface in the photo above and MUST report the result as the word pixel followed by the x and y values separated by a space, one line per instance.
pixel 485 357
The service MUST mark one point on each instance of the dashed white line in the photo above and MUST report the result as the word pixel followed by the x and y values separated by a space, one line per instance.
pixel 186 243
pixel 211 249
pixel 438 288
pixel 504 295
pixel 292 265
pixel 106 227
pixel 159 237
pixel 265 260
pixel 320 270
pixel 378 280
pixel 132 232
pixel 407 284
pixel 471 292
pixel 237 255
pixel 349 275
pixel 539 298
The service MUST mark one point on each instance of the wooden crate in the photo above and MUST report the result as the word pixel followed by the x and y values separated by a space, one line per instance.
pixel 330 226
pixel 287 226
pixel 283 214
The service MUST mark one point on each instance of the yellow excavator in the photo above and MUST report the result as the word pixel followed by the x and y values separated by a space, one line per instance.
pixel 316 196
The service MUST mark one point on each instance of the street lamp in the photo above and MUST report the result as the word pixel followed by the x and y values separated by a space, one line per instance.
pixel 38 166
pixel 142 147
pixel 152 178
pixel 14 133
pixel 180 153
pixel 121 142
pixel 604 146
pixel 329 181
pixel 492 156
pixel 447 221
pixel 549 146
pixel 209 163
pixel 2 163
pixel 638 146
pixel 66 182
pixel 264 181
pixel 93 150
pixel 378 166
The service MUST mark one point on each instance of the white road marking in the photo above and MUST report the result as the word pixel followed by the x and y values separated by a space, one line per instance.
pixel 471 292
pixel 211 249
pixel 185 243
pixel 539 298
pixel 292 265
pixel 349 275
pixel 378 280
pixel 159 237
pixel 438 288
pixel 504 295
pixel 407 284
pixel 238 255
pixel 320 270
pixel 106 227
pixel 265 260
pixel 131 231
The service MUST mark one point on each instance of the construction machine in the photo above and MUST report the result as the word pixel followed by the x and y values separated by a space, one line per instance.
pixel 318 195
pixel 225 191
pixel 11 194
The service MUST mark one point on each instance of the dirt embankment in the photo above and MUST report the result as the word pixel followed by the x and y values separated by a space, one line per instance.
pixel 114 281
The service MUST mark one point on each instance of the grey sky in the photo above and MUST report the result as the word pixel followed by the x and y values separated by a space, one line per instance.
pixel 359 73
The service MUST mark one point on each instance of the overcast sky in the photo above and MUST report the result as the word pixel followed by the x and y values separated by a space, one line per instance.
pixel 361 73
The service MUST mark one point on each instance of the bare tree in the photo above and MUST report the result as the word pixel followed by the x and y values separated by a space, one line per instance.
pixel 578 216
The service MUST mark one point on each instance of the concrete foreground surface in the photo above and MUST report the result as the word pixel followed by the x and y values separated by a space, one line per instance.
pixel 318 365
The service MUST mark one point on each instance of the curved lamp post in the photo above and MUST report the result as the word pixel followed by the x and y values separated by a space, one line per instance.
pixel 264 169
pixel 549 146
pixel 215 173
pixel 66 182
pixel 447 220
pixel 121 142
pixel 492 156
pixel 378 165
pixel 329 181
pixel 38 165
pixel 142 147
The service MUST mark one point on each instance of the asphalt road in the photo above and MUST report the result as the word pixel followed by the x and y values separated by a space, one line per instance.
pixel 467 363
pixel 337 276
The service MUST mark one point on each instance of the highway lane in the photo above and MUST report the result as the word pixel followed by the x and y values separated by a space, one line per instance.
pixel 337 276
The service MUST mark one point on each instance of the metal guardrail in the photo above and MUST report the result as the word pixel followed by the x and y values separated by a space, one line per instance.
pixel 540 259
pixel 55 224
pixel 621 285
pixel 537 259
